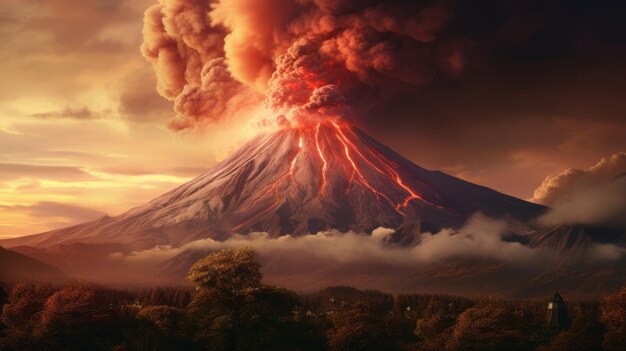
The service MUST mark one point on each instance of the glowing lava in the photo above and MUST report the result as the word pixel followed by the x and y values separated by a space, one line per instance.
pixel 343 158
pixel 347 144
pixel 321 154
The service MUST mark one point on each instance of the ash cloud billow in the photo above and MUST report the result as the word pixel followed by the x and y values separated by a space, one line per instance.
pixel 304 57
pixel 217 97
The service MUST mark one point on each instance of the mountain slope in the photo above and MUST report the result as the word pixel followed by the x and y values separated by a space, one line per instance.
pixel 15 267
pixel 297 181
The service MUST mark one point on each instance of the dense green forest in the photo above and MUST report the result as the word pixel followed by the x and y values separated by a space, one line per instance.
pixel 228 308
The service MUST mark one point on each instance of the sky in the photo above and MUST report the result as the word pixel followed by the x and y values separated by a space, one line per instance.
pixel 524 92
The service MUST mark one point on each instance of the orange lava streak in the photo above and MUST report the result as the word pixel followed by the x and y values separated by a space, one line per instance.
pixel 292 165
pixel 336 156
pixel 321 154
pixel 398 179
pixel 342 139
pixel 359 152
pixel 390 172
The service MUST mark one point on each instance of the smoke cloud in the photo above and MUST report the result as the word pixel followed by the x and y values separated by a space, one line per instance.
pixel 217 97
pixel 186 50
pixel 305 57
pixel 596 195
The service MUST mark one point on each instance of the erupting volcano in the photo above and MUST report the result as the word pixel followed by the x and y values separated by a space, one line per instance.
pixel 316 171
pixel 337 172
pixel 320 175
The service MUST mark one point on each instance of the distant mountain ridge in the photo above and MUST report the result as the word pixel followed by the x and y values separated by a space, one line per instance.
pixel 15 267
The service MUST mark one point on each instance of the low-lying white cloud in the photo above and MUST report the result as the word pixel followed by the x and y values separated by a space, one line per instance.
pixel 607 252
pixel 480 237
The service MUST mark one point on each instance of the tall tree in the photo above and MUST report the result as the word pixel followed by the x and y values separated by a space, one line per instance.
pixel 79 317
pixel 489 326
pixel 357 329
pixel 439 316
pixel 232 310
pixel 22 314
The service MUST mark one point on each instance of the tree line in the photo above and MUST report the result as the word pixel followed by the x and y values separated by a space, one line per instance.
pixel 229 308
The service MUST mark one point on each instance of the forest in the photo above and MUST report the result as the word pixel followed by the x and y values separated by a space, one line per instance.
pixel 227 307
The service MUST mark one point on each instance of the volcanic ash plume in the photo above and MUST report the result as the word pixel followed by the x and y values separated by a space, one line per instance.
pixel 304 57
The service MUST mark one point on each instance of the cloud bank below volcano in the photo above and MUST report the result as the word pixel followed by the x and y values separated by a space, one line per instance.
pixel 481 237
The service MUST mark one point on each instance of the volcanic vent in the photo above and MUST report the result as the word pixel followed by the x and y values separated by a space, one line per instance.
pixel 317 176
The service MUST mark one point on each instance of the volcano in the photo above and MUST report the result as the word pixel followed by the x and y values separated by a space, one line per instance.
pixel 321 176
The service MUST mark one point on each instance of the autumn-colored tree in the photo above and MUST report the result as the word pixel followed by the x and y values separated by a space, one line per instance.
pixel 433 328
pixel 78 317
pixel 232 310
pixel 229 271
pixel 489 326
pixel 22 313
pixel 357 329
pixel 613 315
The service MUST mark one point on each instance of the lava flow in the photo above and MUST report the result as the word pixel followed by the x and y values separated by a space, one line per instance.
pixel 322 157
pixel 387 168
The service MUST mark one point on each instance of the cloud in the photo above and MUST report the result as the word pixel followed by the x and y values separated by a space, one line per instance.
pixel 95 33
pixel 83 49
pixel 60 19
pixel 596 195
pixel 607 252
pixel 139 170
pixel 139 102
pixel 82 113
pixel 15 170
pixel 559 187
pixel 480 237
pixel 54 210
